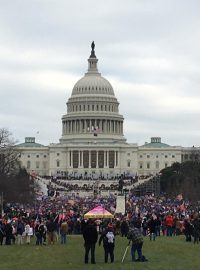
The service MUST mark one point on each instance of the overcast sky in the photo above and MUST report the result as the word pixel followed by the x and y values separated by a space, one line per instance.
pixel 149 50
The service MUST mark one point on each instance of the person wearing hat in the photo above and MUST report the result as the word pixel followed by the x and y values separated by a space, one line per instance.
pixel 108 238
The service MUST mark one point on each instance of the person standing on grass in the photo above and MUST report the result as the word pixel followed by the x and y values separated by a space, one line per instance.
pixel 51 231
pixel 124 227
pixel 20 231
pixel 169 220
pixel 90 236
pixel 108 238
pixel 27 235
pixel 152 228
pixel 63 232
pixel 39 232
pixel 2 232
pixel 8 232
pixel 196 228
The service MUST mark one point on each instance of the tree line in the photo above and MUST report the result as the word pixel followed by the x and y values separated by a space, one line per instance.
pixel 15 182
pixel 182 178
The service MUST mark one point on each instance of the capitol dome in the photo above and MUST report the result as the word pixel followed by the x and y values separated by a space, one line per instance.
pixel 93 84
pixel 92 109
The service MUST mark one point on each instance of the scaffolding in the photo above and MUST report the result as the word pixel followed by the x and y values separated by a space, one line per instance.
pixel 151 187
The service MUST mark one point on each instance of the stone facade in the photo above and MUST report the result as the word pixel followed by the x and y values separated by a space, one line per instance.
pixel 92 141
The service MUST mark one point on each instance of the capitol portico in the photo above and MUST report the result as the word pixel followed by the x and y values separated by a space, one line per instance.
pixel 92 140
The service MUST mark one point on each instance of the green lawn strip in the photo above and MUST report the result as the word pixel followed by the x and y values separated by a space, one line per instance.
pixel 166 253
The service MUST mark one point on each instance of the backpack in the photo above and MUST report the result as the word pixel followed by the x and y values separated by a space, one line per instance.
pixel 110 237
pixel 41 228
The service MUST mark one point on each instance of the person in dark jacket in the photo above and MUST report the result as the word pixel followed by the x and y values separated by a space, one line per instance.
pixel 152 228
pixel 2 232
pixel 90 236
pixel 51 231
pixel 108 238
pixel 8 233
pixel 196 228
pixel 124 227
pixel 188 230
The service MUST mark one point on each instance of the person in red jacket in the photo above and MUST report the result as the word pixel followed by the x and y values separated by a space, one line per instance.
pixel 169 220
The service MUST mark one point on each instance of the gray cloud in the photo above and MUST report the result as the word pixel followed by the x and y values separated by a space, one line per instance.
pixel 148 50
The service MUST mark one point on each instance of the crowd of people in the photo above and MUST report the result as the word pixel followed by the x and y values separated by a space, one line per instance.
pixel 52 219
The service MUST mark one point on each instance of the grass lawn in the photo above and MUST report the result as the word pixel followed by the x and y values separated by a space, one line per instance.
pixel 165 253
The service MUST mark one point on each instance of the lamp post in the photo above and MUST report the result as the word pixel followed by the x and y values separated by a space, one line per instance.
pixel 125 195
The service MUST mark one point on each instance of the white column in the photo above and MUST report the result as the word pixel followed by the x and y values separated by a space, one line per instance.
pixel 71 159
pixel 63 128
pixel 90 126
pixel 89 159
pixel 79 157
pixel 82 158
pixel 107 159
pixel 97 159
pixel 80 127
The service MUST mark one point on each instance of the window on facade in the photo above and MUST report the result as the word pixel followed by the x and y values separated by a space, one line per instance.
pixel 157 164
pixel 173 156
pixel 148 165
pixel 37 164
pixel 140 156
pixel 58 163
pixel 128 154
pixel 128 163
pixel 156 156
pixel 37 156
pixel 28 164
pixel 45 165
pixel 58 154
pixel 166 165
pixel 45 156
pixel 140 165
pixel 148 156
pixel 28 156
pixel 166 156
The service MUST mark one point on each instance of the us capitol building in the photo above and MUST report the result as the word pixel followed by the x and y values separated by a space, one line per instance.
pixel 92 141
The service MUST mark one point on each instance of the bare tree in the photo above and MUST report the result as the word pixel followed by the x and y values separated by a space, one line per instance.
pixel 9 156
